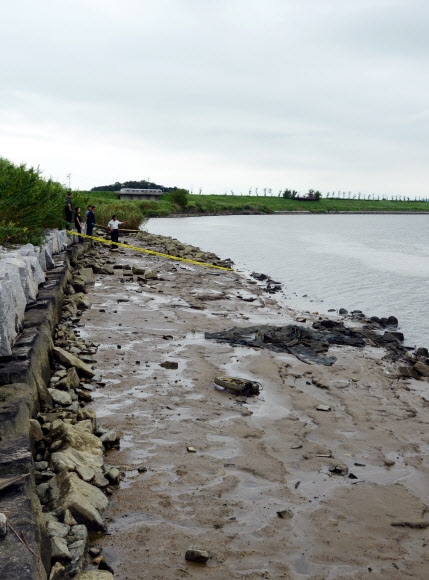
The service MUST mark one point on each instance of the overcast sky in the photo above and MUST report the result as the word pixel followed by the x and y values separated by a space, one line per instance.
pixel 219 94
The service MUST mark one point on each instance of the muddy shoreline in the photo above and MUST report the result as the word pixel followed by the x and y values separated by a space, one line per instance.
pixel 268 486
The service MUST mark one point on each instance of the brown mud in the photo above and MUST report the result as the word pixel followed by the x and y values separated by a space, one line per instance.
pixel 274 487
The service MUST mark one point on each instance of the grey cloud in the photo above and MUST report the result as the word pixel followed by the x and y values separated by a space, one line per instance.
pixel 334 89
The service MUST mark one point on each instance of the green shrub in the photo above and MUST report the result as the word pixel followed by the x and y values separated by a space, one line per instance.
pixel 29 204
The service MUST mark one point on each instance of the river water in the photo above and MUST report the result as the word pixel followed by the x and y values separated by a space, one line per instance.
pixel 375 263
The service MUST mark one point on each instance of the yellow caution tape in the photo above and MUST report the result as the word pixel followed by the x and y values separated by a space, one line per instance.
pixel 152 252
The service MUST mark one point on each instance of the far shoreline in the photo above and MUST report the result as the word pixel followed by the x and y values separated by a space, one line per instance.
pixel 303 212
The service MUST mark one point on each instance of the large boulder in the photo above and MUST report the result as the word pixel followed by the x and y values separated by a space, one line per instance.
pixel 85 502
pixel 69 360
pixel 81 301
pixel 70 459
pixel 87 275
pixel 60 397
pixel 70 381
pixel 77 436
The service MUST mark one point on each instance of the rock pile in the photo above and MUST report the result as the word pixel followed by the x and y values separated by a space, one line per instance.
pixel 73 482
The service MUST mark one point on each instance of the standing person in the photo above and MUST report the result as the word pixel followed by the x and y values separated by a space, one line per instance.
pixel 78 223
pixel 69 210
pixel 90 220
pixel 113 226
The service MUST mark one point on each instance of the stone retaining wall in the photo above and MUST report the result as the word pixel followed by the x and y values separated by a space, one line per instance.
pixel 32 281
pixel 21 272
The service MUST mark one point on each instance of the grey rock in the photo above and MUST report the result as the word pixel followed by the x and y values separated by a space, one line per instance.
pixel 69 381
pixel 59 549
pixel 70 459
pixel 84 501
pixel 87 275
pixel 82 301
pixel 113 475
pixel 36 433
pixel 78 551
pixel 58 529
pixel 57 572
pixel 69 519
pixel 422 369
pixel 109 437
pixel 408 372
pixel 197 556
pixel 41 465
pixel 99 479
pixel 70 360
pixel 77 436
pixel 42 491
pixel 422 352
pixel 60 397
pixel 78 532
pixel 85 473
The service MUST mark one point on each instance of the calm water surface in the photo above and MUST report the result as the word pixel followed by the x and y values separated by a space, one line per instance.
pixel 375 263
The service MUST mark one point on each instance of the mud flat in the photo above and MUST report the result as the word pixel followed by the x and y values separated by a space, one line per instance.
pixel 323 475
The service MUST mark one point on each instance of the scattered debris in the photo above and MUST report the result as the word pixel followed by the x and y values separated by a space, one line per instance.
pixel 239 385
pixel 197 556
pixel 323 408
pixel 169 365
pixel 286 514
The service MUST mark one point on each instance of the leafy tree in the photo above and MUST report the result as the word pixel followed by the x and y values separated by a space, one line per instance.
pixel 289 193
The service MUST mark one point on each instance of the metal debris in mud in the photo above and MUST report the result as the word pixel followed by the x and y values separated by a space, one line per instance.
pixel 238 385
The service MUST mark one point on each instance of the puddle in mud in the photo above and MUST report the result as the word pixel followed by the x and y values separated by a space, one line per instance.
pixel 301 565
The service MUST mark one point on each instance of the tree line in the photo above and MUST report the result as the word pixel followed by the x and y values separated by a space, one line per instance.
pixel 142 184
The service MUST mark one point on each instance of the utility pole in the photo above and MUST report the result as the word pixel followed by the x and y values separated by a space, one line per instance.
pixel 68 177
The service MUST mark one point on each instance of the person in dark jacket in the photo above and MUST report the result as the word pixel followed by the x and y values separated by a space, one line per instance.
pixel 78 223
pixel 69 210
pixel 90 220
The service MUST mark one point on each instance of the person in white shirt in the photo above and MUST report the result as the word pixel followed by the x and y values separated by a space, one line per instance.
pixel 113 226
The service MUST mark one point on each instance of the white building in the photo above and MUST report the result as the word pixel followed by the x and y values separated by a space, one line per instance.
pixel 130 193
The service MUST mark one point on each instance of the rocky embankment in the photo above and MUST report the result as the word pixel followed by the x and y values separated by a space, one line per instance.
pixel 53 482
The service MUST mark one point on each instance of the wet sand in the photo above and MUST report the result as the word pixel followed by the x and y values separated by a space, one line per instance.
pixel 350 483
